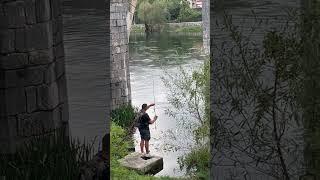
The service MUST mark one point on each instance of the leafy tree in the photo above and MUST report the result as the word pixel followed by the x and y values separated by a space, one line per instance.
pixel 188 14
pixel 174 8
pixel 189 95
pixel 259 95
pixel 161 11
pixel 153 15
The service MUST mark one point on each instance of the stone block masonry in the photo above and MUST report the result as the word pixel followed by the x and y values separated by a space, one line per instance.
pixel 206 25
pixel 119 68
pixel 33 91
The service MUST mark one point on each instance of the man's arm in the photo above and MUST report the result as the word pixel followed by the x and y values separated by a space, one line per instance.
pixel 150 105
pixel 154 120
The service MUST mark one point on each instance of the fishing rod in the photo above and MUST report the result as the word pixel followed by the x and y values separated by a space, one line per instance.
pixel 154 107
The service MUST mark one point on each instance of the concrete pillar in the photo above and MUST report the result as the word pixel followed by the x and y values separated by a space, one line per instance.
pixel 119 68
pixel 206 25
pixel 33 92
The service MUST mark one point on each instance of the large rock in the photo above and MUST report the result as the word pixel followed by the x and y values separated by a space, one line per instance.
pixel 135 162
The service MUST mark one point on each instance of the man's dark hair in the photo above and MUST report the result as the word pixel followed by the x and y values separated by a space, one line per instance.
pixel 144 106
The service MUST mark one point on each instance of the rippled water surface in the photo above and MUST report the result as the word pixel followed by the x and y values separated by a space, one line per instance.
pixel 85 50
pixel 230 161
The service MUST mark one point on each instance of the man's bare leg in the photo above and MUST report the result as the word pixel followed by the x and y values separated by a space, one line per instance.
pixel 147 146
pixel 142 145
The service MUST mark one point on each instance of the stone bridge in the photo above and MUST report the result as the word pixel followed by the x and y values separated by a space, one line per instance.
pixel 33 88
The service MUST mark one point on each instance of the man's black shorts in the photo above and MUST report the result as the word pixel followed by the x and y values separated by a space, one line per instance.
pixel 145 134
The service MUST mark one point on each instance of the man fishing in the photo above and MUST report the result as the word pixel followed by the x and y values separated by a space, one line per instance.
pixel 143 126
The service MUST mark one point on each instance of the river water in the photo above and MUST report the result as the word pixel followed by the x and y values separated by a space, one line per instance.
pixel 231 160
pixel 85 47
pixel 85 44
pixel 84 35
pixel 150 58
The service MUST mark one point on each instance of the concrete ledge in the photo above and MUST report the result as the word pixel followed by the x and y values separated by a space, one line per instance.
pixel 135 162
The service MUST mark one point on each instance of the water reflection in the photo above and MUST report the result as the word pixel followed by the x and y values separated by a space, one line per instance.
pixel 297 153
pixel 85 54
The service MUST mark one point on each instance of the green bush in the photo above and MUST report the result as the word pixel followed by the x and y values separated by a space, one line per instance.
pixel 174 7
pixel 190 92
pixel 124 116
pixel 197 162
pixel 118 151
pixel 153 15
pixel 188 14
pixel 119 143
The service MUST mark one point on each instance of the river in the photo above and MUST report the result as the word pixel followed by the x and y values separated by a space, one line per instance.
pixel 150 58
pixel 85 44
pixel 84 37
pixel 231 159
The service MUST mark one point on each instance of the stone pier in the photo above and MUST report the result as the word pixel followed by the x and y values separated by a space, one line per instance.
pixel 206 25
pixel 120 76
pixel 33 92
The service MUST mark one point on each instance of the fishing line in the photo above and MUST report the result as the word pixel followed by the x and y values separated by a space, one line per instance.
pixel 154 107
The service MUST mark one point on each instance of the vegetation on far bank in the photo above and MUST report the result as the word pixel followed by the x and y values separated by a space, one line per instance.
pixel 171 29
pixel 154 14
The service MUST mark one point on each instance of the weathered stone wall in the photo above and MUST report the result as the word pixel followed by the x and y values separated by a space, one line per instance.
pixel 87 4
pixel 120 76
pixel 33 92
pixel 206 25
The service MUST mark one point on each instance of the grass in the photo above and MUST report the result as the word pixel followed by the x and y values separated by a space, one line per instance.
pixel 55 157
pixel 191 29
pixel 124 116
pixel 137 29
pixel 118 150
pixel 121 139
pixel 197 161
pixel 48 157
